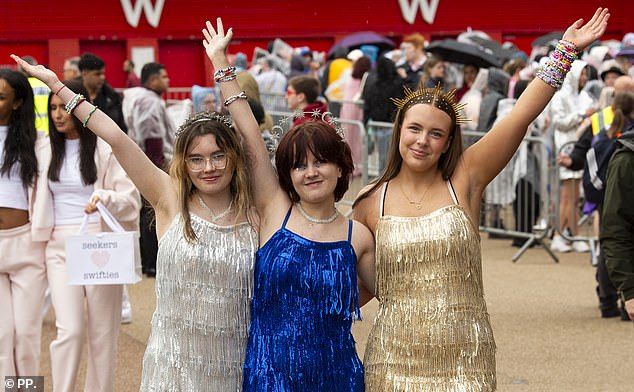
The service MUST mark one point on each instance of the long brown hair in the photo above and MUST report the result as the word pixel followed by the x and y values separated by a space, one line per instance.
pixel 623 107
pixel 448 160
pixel 230 142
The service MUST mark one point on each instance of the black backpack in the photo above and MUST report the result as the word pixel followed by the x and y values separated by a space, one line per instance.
pixel 597 159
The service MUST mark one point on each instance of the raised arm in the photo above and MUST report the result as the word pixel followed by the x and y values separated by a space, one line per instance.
pixel 266 185
pixel 150 180
pixel 487 158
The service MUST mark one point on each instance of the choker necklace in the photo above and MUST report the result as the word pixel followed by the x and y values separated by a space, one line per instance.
pixel 318 221
pixel 214 217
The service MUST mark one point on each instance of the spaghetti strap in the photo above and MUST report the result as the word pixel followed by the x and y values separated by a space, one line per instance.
pixel 350 230
pixel 288 214
pixel 382 200
pixel 452 192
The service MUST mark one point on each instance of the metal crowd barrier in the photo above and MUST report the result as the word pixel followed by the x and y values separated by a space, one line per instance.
pixel 521 194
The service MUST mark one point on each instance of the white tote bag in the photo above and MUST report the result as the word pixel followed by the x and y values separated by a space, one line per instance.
pixel 103 258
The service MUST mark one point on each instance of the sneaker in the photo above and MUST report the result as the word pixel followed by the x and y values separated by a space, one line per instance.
pixel 610 312
pixel 580 247
pixel 558 244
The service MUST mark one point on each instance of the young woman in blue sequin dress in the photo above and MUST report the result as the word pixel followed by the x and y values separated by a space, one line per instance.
pixel 305 280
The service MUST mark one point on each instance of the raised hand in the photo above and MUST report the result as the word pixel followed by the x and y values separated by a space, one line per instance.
pixel 216 41
pixel 583 35
pixel 39 71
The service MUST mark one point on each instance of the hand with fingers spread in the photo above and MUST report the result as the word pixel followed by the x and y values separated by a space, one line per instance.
pixel 216 40
pixel 583 35
pixel 38 71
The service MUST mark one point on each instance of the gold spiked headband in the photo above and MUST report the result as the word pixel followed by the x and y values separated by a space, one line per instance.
pixel 433 96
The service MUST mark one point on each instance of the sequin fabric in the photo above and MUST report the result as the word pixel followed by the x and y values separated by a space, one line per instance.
pixel 304 301
pixel 432 331
pixel 203 291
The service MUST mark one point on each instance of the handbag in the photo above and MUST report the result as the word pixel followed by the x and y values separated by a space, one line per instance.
pixel 103 258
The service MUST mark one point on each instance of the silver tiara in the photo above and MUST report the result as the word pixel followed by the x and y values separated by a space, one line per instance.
pixel 286 122
pixel 206 116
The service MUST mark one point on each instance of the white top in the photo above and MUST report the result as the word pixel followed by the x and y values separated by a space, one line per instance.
pixel 13 194
pixel 70 195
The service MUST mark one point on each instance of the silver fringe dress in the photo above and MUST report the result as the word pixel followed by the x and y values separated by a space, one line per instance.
pixel 432 331
pixel 203 295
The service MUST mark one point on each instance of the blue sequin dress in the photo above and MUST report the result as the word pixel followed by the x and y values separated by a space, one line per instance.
pixel 304 301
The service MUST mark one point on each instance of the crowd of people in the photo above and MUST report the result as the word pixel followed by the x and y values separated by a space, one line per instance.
pixel 258 275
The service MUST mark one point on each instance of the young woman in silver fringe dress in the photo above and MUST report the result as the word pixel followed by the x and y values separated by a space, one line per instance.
pixel 207 246
pixel 432 332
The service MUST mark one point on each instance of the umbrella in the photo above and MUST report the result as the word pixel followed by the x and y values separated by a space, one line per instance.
pixel 494 47
pixel 461 53
pixel 356 40
pixel 548 39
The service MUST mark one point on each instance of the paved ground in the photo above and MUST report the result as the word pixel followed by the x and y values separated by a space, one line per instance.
pixel 547 327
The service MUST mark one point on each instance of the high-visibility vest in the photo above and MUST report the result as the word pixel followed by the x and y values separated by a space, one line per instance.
pixel 40 98
pixel 601 120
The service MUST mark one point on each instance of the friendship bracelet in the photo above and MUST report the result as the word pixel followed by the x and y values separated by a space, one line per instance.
pixel 89 115
pixel 226 78
pixel 60 89
pixel 233 98
pixel 225 75
pixel 554 71
pixel 82 99
pixel 70 106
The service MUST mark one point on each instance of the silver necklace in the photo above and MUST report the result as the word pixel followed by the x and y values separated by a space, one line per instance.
pixel 214 217
pixel 318 221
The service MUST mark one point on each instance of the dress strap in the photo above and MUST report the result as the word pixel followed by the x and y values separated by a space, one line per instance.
pixel 349 230
pixel 382 200
pixel 452 192
pixel 288 214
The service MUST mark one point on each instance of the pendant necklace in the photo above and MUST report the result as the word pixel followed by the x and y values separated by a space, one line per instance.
pixel 214 217
pixel 318 221
pixel 418 204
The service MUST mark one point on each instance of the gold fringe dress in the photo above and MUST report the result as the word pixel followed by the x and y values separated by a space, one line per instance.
pixel 432 331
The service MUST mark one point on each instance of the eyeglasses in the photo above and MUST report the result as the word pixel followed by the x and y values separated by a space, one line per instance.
pixel 197 163
pixel 290 92
pixel 301 167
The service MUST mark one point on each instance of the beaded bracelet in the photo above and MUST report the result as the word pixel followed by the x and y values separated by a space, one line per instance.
pixel 225 75
pixel 558 64
pixel 72 104
pixel 89 115
pixel 60 89
pixel 231 99
pixel 82 99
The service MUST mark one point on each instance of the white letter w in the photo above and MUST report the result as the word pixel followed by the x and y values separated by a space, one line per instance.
pixel 427 7
pixel 152 13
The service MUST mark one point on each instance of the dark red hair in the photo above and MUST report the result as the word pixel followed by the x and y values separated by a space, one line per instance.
pixel 321 139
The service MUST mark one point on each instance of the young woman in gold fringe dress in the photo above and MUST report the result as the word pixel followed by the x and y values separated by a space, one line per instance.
pixel 432 332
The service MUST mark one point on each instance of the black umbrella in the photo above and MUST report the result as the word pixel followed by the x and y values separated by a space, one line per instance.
pixel 359 39
pixel 548 39
pixel 461 53
pixel 494 47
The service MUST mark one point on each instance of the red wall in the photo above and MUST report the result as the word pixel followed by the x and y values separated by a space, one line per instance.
pixel 102 27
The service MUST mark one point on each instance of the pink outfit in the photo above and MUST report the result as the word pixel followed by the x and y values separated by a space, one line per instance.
pixel 22 285
pixel 350 111
pixel 103 303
